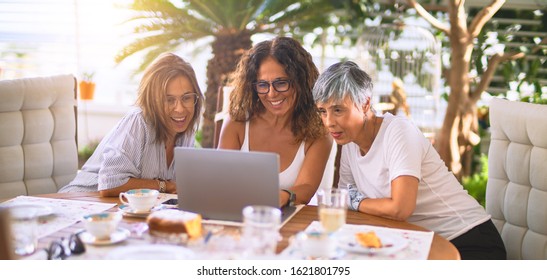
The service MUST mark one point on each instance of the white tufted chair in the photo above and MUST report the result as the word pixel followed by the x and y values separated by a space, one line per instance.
pixel 516 193
pixel 38 152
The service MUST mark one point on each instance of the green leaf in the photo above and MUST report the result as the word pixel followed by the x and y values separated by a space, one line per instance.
pixel 476 184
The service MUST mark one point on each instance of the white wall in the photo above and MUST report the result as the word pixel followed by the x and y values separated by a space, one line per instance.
pixel 95 120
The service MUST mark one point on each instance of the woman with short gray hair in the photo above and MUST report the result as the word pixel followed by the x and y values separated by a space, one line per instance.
pixel 393 171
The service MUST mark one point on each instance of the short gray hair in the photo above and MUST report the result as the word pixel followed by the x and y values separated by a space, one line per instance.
pixel 341 79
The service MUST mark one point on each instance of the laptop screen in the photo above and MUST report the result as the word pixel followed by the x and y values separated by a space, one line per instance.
pixel 218 184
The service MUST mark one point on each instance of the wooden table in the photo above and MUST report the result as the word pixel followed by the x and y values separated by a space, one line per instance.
pixel 441 249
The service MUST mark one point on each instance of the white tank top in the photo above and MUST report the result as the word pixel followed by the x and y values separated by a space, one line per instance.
pixel 288 176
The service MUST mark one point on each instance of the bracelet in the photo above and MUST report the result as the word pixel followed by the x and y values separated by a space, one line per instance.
pixel 161 183
pixel 355 204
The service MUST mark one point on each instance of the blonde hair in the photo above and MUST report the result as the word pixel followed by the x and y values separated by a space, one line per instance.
pixel 152 88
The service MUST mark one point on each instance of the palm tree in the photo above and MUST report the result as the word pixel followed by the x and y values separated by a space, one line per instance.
pixel 165 26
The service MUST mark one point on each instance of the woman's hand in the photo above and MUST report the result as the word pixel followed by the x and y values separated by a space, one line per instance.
pixel 283 198
pixel 170 187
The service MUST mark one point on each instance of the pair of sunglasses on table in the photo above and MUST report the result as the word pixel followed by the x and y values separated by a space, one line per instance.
pixel 65 247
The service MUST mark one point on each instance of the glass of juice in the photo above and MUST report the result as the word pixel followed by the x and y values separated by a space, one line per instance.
pixel 332 205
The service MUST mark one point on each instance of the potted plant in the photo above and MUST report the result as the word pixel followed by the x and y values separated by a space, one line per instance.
pixel 87 86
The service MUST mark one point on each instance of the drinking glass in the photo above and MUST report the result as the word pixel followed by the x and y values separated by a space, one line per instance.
pixel 24 224
pixel 261 230
pixel 332 208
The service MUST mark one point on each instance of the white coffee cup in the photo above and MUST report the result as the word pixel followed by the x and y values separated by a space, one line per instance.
pixel 102 225
pixel 140 200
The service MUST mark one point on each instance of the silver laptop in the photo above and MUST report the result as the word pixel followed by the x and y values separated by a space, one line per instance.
pixel 218 184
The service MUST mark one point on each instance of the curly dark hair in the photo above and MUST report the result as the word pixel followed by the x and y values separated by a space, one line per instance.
pixel 298 64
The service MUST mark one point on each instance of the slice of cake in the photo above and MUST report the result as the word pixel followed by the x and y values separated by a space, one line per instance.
pixel 173 221
pixel 368 239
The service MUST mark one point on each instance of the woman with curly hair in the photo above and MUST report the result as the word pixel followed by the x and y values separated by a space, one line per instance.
pixel 272 110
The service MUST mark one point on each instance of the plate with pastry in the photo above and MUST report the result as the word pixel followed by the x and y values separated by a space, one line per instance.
pixel 371 242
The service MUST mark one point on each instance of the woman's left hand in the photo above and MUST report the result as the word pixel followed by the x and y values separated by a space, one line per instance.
pixel 283 198
pixel 170 187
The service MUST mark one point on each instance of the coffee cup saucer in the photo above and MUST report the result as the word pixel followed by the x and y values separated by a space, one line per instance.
pixel 119 235
pixel 130 212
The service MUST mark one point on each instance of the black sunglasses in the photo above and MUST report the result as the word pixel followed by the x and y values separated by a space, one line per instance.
pixel 64 248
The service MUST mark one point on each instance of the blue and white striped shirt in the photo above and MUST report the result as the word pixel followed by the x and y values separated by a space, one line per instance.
pixel 128 151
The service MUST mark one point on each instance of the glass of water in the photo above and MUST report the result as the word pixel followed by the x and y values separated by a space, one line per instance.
pixel 261 230
pixel 24 225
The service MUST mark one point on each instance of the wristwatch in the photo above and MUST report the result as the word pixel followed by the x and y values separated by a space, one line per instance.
pixel 292 197
pixel 161 184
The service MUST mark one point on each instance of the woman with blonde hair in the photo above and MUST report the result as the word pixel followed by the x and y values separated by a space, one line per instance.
pixel 139 151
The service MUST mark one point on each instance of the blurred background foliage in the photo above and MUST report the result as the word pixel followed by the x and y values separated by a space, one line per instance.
pixel 167 25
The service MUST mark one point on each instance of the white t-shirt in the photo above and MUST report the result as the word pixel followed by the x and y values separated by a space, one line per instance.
pixel 400 148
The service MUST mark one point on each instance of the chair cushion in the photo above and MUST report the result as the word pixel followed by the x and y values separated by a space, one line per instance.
pixel 516 192
pixel 38 151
